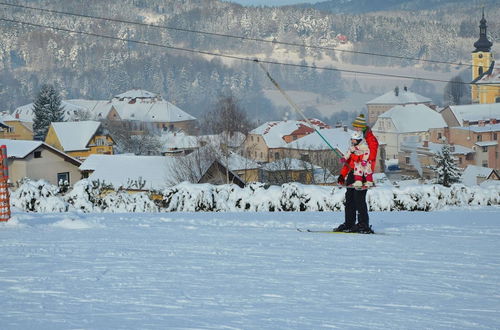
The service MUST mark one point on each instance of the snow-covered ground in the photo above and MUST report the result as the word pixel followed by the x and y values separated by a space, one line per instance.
pixel 250 270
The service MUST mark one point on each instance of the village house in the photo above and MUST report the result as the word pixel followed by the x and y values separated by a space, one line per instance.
pixel 80 139
pixel 39 161
pixel 389 100
pixel 15 129
pixel 139 111
pixel 288 170
pixel 393 126
pixel 267 142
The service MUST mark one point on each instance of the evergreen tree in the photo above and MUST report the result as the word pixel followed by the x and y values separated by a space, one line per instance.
pixel 47 109
pixel 446 170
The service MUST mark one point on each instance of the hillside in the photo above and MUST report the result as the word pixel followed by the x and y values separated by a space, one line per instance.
pixel 84 66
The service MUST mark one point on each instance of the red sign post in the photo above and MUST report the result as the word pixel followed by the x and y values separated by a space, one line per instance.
pixel 4 185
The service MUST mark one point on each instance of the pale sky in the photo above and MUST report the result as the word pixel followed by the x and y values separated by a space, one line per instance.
pixel 272 2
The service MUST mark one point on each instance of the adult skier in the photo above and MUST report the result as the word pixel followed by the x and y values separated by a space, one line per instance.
pixel 355 199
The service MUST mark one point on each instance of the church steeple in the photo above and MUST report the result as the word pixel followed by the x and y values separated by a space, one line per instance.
pixel 483 44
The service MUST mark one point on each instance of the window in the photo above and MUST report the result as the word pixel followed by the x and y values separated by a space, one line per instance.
pixel 480 71
pixel 485 163
pixel 440 136
pixel 479 137
pixel 63 178
pixel 37 154
pixel 497 99
pixel 304 158
pixel 495 136
pixel 251 138
pixel 485 149
pixel 407 160
pixel 276 155
pixel 460 161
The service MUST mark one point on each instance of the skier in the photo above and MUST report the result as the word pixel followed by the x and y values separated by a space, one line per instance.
pixel 355 200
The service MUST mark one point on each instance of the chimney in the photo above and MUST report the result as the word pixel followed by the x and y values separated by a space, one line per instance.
pixel 466 123
pixel 345 128
pixel 481 123
pixel 493 121
pixel 17 115
pixel 426 144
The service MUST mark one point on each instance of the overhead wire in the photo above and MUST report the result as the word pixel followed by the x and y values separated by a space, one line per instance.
pixel 234 57
pixel 274 42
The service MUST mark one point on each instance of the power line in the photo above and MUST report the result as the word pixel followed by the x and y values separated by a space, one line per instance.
pixel 234 57
pixel 52 11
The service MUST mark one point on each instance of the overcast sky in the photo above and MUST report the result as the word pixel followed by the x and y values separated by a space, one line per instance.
pixel 272 2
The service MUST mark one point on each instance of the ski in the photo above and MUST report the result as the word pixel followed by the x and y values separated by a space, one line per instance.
pixel 305 230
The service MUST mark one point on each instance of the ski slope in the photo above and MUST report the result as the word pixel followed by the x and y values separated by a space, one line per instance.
pixel 250 271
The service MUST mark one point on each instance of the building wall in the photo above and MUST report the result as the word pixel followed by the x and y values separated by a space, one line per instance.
pixel 488 94
pixel 375 110
pixel 449 117
pixel 256 148
pixel 481 62
pixel 18 131
pixel 47 167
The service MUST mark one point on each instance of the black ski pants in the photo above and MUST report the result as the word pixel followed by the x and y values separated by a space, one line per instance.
pixel 355 203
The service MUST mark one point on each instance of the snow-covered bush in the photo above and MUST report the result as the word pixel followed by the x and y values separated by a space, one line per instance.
pixel 38 196
pixel 86 196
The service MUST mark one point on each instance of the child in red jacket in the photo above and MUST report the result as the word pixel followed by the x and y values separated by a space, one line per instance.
pixel 360 153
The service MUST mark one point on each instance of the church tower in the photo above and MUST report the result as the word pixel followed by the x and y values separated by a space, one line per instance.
pixel 482 58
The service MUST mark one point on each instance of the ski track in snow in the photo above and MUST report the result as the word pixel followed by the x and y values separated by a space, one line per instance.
pixel 250 271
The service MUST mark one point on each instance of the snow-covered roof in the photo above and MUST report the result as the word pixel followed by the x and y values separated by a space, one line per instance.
pixel 487 143
pixel 274 131
pixel 25 112
pixel 481 129
pixel 472 172
pixel 120 170
pixel 238 162
pixel 403 97
pixel 475 112
pixel 75 135
pixel 179 140
pixel 337 137
pixel 290 164
pixel 136 93
pixel 492 78
pixel 98 109
pixel 413 118
pixel 22 148
pixel 147 111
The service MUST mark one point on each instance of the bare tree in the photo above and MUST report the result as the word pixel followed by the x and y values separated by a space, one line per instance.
pixel 146 143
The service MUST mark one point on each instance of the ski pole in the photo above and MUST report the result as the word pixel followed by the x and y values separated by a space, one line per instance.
pixel 297 109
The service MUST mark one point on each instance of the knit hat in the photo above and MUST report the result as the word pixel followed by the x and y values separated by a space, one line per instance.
pixel 359 121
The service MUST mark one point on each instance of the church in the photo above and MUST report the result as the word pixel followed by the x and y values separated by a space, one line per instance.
pixel 485 87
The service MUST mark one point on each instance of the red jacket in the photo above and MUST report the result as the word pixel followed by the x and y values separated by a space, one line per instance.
pixel 372 142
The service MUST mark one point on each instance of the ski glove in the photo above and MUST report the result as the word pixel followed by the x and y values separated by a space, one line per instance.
pixel 363 163
pixel 343 160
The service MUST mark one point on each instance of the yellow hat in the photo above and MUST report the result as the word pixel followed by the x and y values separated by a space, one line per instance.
pixel 359 121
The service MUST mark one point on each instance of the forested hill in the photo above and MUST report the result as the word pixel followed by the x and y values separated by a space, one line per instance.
pixel 85 66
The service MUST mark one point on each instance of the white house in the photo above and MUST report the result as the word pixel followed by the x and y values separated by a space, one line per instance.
pixel 402 121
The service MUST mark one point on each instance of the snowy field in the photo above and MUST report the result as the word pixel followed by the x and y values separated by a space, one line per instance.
pixel 250 271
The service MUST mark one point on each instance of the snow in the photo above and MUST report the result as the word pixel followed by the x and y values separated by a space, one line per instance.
pixel 76 135
pixel 472 173
pixel 123 170
pixel 136 93
pixel 337 137
pixel 249 271
pixel 151 111
pixel 274 131
pixel 25 112
pixel 403 97
pixel 414 118
pixel 20 148
pixel 475 112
